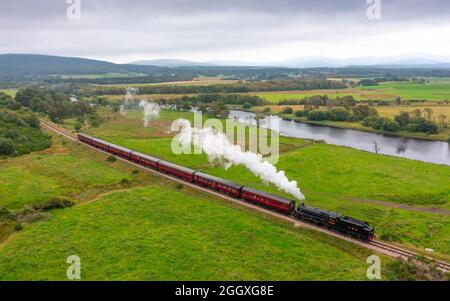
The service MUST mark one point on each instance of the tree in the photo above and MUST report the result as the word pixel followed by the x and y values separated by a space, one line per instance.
pixel 376 147
pixel 317 115
pixel 247 106
pixel 6 147
pixel 362 111
pixel 5 100
pixel 417 113
pixel 391 126
pixel 442 119
pixel 78 127
pixel 402 118
pixel 338 114
pixel 287 110
pixel 428 113
pixel 300 113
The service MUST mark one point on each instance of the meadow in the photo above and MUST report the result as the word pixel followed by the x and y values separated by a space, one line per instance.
pixel 149 228
pixel 407 201
pixel 435 90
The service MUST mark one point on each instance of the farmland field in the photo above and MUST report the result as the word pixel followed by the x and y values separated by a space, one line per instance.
pixel 149 228
pixel 435 90
pixel 396 195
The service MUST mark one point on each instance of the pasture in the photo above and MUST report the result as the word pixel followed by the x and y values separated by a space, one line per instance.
pixel 435 90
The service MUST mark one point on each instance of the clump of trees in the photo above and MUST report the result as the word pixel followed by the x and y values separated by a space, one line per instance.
pixel 418 121
pixel 56 105
pixel 20 132
pixel 382 123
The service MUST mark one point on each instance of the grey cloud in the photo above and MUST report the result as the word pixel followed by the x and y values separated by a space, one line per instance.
pixel 120 27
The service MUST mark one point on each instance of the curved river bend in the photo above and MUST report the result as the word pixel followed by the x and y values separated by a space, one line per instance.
pixel 427 151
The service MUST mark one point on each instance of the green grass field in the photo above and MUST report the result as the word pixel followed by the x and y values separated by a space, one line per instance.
pixel 351 182
pixel 435 90
pixel 151 229
pixel 66 175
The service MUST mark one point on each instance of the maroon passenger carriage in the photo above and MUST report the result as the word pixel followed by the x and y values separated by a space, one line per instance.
pixel 218 184
pixel 176 170
pixel 145 160
pixel 268 200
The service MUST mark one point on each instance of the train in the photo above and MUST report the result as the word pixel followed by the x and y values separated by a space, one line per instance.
pixel 322 218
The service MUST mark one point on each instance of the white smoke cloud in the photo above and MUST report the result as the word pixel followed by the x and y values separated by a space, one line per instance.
pixel 129 100
pixel 151 110
pixel 220 150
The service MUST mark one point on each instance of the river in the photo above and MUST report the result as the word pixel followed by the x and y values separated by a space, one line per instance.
pixel 437 152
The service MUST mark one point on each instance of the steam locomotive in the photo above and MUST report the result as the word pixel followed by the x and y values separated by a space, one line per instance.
pixel 326 219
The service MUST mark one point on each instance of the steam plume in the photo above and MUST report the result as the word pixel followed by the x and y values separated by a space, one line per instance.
pixel 220 150
pixel 129 100
pixel 151 110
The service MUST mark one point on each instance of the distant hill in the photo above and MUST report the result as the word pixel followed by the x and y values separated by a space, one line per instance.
pixel 31 64
pixel 171 63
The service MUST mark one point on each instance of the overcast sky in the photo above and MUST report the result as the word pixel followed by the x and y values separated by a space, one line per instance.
pixel 252 30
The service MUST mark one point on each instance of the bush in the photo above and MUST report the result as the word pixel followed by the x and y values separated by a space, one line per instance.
pixel 300 113
pixel 411 127
pixel 125 182
pixel 111 159
pixel 6 147
pixel 402 119
pixel 247 106
pixel 338 114
pixel 317 115
pixel 427 126
pixel 54 203
pixel 266 110
pixel 287 110
pixel 391 126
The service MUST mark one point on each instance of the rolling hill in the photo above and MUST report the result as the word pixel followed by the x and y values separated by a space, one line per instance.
pixel 31 64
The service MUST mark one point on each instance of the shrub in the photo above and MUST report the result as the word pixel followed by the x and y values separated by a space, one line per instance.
pixel 266 110
pixel 300 113
pixel 338 114
pixel 125 182
pixel 247 106
pixel 179 186
pixel 6 147
pixel 54 203
pixel 317 115
pixel 411 127
pixel 111 159
pixel 402 118
pixel 287 110
pixel 391 126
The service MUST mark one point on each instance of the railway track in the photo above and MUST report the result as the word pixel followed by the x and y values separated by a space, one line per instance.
pixel 375 245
